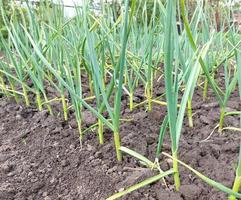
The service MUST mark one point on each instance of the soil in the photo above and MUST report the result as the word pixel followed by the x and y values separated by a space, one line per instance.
pixel 41 156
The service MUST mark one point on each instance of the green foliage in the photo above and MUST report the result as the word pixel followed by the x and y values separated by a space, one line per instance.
pixel 44 10
pixel 144 11
pixel 6 7
pixel 11 13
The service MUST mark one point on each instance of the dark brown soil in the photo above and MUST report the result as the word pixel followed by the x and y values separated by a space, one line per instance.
pixel 41 156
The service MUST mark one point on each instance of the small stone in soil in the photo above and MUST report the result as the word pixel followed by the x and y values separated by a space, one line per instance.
pixel 73 124
pixel 98 154
pixel 205 119
pixel 18 117
pixel 121 189
pixel 89 147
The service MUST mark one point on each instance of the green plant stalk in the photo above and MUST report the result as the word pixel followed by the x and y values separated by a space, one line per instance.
pixel 171 94
pixel 79 124
pixel 236 186
pixel 96 76
pixel 63 100
pixel 175 125
pixel 121 64
pixel 39 101
pixel 131 101
pixel 117 145
pixel 205 89
pixel 65 108
pixel 100 131
pixel 48 105
pixel 161 136
pixel 14 93
pixel 176 171
pixel 189 112
pixel 25 94
pixel 137 83
pixel 221 121
pixel 150 75
pixel 149 98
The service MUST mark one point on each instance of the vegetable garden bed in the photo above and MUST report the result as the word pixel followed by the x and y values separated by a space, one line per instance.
pixel 41 157
pixel 138 102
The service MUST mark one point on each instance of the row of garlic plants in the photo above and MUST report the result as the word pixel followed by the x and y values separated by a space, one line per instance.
pixel 116 52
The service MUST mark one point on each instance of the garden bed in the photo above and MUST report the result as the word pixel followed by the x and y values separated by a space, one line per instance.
pixel 41 156
pixel 132 76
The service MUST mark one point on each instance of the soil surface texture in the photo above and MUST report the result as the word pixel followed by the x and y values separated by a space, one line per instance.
pixel 41 156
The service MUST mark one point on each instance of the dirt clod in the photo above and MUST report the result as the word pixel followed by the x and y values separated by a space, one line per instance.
pixel 190 192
